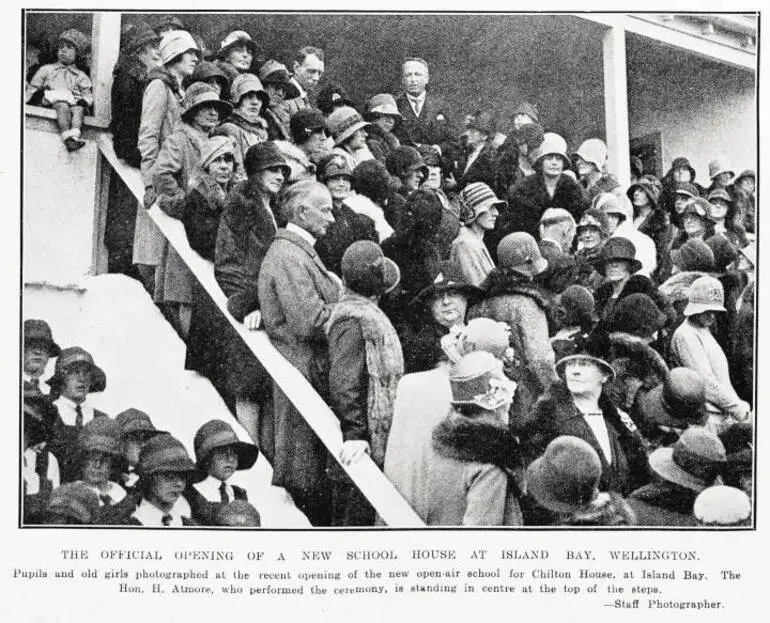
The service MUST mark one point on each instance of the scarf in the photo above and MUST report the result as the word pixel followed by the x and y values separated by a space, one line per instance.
pixel 384 364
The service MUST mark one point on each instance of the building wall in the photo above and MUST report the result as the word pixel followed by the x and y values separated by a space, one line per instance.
pixel 703 109
pixel 59 212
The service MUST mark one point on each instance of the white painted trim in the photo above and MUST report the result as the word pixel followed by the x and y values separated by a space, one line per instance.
pixel 616 103
pixel 640 25
pixel 106 48
pixel 381 494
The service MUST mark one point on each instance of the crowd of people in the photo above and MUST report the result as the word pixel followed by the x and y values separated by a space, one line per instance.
pixel 512 336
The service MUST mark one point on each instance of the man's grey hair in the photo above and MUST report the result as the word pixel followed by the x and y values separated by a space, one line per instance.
pixel 294 196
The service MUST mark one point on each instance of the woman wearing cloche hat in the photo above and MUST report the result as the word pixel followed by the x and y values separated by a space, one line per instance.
pixel 578 405
pixel 548 187
pixel 473 451
pixel 511 296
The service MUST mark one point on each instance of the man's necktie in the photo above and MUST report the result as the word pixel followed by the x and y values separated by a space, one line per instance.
pixel 78 417
pixel 166 520
pixel 223 493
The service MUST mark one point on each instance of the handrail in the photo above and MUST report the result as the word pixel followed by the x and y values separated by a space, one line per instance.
pixel 382 495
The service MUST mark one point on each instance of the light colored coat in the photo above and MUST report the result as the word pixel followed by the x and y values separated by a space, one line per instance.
pixel 470 255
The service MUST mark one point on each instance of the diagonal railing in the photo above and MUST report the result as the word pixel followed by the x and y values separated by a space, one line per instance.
pixel 385 499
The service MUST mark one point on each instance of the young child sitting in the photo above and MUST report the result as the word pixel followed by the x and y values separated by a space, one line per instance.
pixel 40 469
pixel 65 88
pixel 39 347
pixel 165 471
pixel 99 457
pixel 75 376
pixel 219 454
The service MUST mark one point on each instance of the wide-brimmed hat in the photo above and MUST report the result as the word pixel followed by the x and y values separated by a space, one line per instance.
pixel 38 331
pixel 77 39
pixel 343 122
pixel 475 380
pixel 593 151
pixel 218 434
pixel 722 506
pixel 566 477
pixel 720 193
pixel 135 422
pixel 694 255
pixel 165 453
pixel 138 35
pixel 636 314
pixel 403 160
pixel 205 71
pixel 706 294
pixel 693 461
pixel 264 156
pixel 73 356
pixel 590 350
pixel 100 434
pixel 650 186
pixel 200 94
pixel 717 167
pixel 448 279
pixel 382 104
pixel 596 219
pixel 334 165
pixel 553 145
pixel 243 84
pixel 518 251
pixel 234 39
pixel 175 43
pixel 367 271
pixel 618 248
pixel 678 402
pixel 479 198
pixel 686 189
pixel 273 72
pixel 74 500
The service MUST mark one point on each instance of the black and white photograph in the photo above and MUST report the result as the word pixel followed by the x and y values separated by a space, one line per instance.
pixel 286 270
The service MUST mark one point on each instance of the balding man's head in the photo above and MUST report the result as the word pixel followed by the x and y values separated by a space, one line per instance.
pixel 557 225
pixel 308 205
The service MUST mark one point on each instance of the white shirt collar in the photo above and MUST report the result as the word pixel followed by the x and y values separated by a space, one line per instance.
pixel 150 515
pixel 67 408
pixel 302 233
pixel 417 103
pixel 209 489
pixel 114 490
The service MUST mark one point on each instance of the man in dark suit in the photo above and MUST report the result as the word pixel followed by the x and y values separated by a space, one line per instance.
pixel 425 118
pixel 308 68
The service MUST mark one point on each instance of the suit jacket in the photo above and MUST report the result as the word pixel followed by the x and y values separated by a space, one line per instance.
pixel 431 127
pixel 482 169
pixel 296 294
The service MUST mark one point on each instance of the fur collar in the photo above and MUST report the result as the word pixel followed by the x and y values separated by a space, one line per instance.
pixel 630 346
pixel 162 74
pixel 636 284
pixel 475 440
pixel 244 208
pixel 502 282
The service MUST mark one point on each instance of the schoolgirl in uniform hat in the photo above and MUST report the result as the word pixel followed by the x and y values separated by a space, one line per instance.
pixel 99 460
pixel 218 455
pixel 136 428
pixel 39 347
pixel 40 469
pixel 75 377
pixel 165 471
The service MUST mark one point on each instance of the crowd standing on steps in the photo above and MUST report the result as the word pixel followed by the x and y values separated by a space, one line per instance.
pixel 509 333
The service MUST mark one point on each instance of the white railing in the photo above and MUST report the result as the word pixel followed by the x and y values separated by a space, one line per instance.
pixel 388 503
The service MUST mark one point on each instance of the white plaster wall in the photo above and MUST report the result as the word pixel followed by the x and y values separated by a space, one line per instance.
pixel 703 109
pixel 59 193
pixel 114 319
